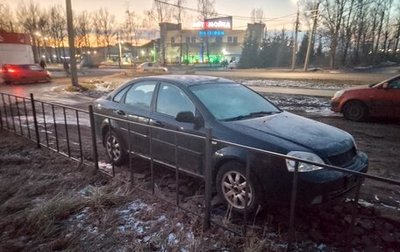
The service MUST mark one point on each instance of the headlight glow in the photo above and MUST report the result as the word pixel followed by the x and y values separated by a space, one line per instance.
pixel 304 167
pixel 338 94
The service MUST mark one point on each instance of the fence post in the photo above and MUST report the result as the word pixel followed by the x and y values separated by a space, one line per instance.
pixel 293 206
pixel 246 190
pixel 94 142
pixel 35 121
pixel 1 120
pixel 208 179
pixel 353 215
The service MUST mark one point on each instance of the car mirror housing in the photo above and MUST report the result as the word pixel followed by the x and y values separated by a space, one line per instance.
pixel 385 85
pixel 185 116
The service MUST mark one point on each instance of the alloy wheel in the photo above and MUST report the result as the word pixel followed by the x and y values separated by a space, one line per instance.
pixel 234 189
pixel 113 148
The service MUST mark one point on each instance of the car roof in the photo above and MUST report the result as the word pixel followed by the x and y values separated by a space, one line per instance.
pixel 189 80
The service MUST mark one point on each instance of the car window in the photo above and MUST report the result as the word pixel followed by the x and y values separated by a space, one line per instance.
pixel 232 101
pixel 395 84
pixel 140 94
pixel 172 100
pixel 120 94
pixel 35 68
pixel 150 64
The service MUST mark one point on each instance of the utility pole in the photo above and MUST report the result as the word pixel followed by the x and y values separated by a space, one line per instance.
pixel 119 50
pixel 71 37
pixel 295 41
pixel 311 38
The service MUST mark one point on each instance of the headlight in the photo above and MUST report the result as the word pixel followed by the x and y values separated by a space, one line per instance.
pixel 338 94
pixel 304 167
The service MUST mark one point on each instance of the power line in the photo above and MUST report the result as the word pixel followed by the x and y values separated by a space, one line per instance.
pixel 223 15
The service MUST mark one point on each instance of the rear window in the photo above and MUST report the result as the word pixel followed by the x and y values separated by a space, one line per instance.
pixel 35 68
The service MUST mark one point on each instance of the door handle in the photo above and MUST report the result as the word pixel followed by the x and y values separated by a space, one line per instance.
pixel 119 112
pixel 156 123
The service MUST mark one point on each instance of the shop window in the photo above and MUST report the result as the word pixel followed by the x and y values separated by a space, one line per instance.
pixel 187 40
pixel 235 40
pixel 218 39
pixel 193 39
pixel 172 40
pixel 229 39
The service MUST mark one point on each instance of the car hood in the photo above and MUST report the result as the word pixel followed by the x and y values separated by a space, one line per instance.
pixel 294 131
pixel 362 87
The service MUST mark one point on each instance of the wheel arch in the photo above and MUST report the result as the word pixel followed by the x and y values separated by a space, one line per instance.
pixel 353 100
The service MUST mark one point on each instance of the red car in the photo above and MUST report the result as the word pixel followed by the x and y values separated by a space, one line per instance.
pixel 24 73
pixel 376 100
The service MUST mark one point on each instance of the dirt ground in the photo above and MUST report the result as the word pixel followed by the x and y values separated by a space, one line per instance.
pixel 48 203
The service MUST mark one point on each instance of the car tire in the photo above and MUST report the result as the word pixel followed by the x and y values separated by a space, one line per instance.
pixel 115 149
pixel 355 111
pixel 231 181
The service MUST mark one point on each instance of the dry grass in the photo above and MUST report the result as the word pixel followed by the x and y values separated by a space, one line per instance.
pixel 104 197
pixel 50 203
pixel 44 215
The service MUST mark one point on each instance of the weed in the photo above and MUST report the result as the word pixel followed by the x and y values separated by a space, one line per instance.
pixel 43 216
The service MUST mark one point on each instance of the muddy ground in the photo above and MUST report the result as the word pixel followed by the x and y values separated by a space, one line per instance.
pixel 48 202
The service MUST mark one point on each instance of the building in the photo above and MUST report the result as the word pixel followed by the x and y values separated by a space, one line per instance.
pixel 211 41
pixel 15 48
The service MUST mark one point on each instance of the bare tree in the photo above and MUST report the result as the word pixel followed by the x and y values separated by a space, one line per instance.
pixel 206 10
pixel 106 23
pixel 132 31
pixel 28 17
pixel 257 15
pixel 58 28
pixel 347 31
pixel 179 12
pixel 7 22
pixel 332 18
pixel 161 13
pixel 83 30
pixel 387 25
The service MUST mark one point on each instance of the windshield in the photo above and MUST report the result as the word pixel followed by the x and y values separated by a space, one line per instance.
pixel 229 102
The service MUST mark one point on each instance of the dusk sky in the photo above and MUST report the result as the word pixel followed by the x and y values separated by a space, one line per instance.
pixel 271 8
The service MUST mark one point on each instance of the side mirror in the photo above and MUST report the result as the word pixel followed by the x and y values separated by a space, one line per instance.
pixel 185 116
pixel 385 85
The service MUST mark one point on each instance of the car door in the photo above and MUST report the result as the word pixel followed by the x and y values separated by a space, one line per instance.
pixel 35 73
pixel 171 100
pixel 135 106
pixel 393 90
pixel 379 101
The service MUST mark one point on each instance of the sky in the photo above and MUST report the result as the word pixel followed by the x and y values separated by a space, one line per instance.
pixel 272 9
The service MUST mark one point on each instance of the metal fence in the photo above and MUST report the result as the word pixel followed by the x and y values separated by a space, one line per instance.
pixel 71 132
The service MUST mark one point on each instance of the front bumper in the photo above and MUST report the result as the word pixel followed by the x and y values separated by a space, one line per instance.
pixel 328 185
pixel 335 106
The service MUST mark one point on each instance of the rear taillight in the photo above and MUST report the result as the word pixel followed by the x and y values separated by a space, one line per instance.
pixel 11 70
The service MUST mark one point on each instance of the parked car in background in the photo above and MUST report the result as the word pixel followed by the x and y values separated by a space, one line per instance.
pixel 376 100
pixel 24 73
pixel 151 67
pixel 233 65
pixel 235 113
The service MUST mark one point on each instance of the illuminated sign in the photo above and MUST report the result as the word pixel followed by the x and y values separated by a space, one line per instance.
pixel 213 33
pixel 215 23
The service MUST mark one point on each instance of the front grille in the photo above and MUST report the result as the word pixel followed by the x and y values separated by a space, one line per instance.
pixel 343 159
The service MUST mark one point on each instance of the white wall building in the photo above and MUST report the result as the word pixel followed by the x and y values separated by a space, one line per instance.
pixel 15 48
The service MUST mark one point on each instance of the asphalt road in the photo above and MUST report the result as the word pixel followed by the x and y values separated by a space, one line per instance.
pixel 45 90
pixel 363 78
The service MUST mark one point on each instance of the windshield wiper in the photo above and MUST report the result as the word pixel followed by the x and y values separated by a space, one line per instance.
pixel 251 115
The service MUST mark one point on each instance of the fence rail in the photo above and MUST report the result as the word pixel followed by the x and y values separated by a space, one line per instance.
pixel 71 132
